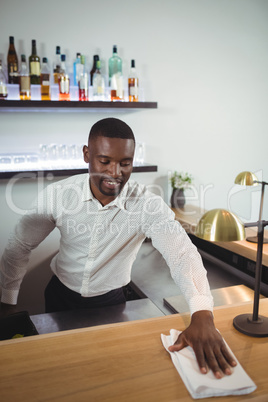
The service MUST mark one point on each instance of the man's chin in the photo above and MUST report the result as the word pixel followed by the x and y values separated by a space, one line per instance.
pixel 111 192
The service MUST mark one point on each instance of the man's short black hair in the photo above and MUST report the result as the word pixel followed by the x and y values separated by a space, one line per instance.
pixel 112 128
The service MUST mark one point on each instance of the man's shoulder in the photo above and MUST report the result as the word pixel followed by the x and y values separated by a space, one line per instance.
pixel 143 191
pixel 139 194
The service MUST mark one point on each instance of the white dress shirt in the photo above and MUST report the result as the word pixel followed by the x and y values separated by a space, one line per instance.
pixel 98 244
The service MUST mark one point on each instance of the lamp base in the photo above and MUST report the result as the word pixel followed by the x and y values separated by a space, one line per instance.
pixel 244 323
pixel 254 239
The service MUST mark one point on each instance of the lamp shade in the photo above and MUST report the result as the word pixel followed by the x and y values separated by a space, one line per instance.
pixel 220 225
pixel 246 179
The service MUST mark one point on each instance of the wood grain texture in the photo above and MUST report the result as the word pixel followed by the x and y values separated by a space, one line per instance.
pixel 119 362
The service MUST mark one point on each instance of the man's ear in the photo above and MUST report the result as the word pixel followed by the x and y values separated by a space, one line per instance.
pixel 86 153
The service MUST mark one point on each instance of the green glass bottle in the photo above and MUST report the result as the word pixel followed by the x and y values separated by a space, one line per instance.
pixel 34 65
pixel 116 76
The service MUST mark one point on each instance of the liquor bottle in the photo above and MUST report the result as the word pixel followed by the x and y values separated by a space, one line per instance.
pixel 94 68
pixel 98 83
pixel 45 80
pixel 56 68
pixel 77 68
pixel 116 76
pixel 83 82
pixel 133 84
pixel 34 65
pixel 12 63
pixel 3 83
pixel 24 79
pixel 64 81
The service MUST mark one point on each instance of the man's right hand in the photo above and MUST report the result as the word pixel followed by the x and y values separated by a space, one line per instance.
pixel 7 309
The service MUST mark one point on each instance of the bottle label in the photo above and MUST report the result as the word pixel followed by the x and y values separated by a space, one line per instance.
pixel 64 85
pixel 79 71
pixel 118 85
pixel 56 78
pixel 35 68
pixel 100 90
pixel 83 81
pixel 3 90
pixel 25 83
pixel 133 91
pixel 13 69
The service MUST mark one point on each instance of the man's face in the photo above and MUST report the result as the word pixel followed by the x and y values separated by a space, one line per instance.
pixel 110 166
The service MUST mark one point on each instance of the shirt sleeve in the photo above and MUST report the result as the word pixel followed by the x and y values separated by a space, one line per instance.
pixel 181 255
pixel 29 232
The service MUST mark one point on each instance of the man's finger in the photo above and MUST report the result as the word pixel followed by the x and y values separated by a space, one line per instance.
pixel 179 344
pixel 201 360
pixel 229 358
pixel 212 361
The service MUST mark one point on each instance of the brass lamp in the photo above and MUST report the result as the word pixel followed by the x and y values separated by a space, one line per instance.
pixel 221 225
pixel 250 179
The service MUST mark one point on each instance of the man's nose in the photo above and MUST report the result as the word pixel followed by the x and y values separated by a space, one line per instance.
pixel 115 170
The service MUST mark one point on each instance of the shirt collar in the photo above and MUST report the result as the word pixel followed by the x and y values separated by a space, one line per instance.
pixel 119 201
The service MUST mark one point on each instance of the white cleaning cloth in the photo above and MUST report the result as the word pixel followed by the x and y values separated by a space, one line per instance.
pixel 205 385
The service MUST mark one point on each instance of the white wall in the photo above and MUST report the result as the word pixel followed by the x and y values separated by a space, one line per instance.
pixel 204 61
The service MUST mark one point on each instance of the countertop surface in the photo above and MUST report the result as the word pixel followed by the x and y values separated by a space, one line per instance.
pixel 120 362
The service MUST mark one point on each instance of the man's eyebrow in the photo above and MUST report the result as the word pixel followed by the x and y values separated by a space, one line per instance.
pixel 108 157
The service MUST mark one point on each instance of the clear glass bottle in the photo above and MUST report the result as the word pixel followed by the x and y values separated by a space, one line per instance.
pixel 12 63
pixel 94 67
pixel 56 67
pixel 83 82
pixel 24 80
pixel 3 83
pixel 77 68
pixel 133 84
pixel 116 76
pixel 64 81
pixel 45 80
pixel 98 83
pixel 34 65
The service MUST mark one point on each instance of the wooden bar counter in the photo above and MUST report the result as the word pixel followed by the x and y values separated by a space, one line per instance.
pixel 119 362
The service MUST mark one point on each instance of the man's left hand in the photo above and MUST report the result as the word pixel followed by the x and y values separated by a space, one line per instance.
pixel 207 343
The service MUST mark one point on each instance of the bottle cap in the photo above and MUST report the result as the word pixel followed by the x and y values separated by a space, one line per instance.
pixel 33 42
pixel 132 63
pixel 96 57
pixel 57 49
pixel 11 40
pixel 44 60
pixel 23 58
pixel 115 49
pixel 62 57
pixel 78 55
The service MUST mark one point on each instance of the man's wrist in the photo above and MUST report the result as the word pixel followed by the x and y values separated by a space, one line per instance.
pixel 202 315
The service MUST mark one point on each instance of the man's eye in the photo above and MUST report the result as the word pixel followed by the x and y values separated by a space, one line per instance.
pixel 104 162
pixel 125 164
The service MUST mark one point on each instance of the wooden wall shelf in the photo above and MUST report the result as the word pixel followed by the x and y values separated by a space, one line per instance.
pixel 76 106
pixel 65 172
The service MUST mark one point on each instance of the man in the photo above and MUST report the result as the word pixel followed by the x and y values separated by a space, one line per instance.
pixel 103 219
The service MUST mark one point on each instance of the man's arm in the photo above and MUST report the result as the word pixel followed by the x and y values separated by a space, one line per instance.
pixel 29 232
pixel 188 272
